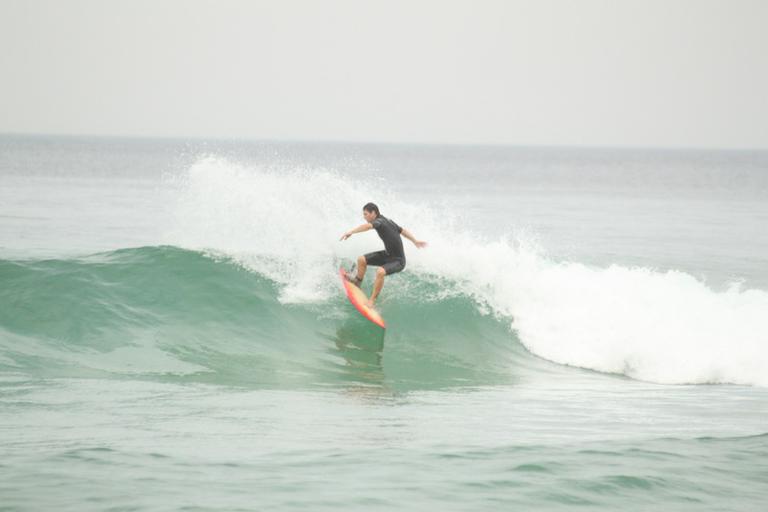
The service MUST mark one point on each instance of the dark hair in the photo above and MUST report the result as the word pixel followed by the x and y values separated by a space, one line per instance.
pixel 370 207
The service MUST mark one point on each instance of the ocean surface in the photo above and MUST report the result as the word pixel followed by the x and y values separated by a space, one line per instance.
pixel 588 328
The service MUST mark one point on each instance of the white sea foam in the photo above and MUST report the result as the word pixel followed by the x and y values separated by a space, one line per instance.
pixel 665 327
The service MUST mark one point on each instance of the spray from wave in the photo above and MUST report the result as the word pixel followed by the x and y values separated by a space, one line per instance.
pixel 665 327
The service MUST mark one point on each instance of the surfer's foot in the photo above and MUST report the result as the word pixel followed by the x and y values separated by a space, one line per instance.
pixel 354 279
pixel 371 303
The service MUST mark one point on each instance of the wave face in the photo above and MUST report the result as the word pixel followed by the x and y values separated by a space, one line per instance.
pixel 173 314
pixel 244 292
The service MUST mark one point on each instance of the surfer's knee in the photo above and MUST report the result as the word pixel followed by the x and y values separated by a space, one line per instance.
pixel 380 272
pixel 361 260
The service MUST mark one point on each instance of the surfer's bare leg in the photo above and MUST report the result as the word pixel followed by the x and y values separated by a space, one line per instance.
pixel 362 265
pixel 377 285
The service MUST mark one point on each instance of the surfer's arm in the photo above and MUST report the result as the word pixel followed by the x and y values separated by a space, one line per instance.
pixel 407 234
pixel 358 229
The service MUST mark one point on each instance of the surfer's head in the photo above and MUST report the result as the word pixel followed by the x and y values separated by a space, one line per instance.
pixel 370 212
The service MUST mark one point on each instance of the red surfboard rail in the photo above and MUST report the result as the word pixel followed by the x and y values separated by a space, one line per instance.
pixel 359 300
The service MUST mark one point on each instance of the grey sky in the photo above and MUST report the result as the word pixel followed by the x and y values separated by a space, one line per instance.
pixel 688 73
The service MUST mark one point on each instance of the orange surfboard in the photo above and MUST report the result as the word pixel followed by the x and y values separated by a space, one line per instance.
pixel 359 300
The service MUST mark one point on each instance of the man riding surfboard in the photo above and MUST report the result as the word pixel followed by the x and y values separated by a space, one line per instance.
pixel 391 260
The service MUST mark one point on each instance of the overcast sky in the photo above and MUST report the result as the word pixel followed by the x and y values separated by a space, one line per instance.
pixel 691 73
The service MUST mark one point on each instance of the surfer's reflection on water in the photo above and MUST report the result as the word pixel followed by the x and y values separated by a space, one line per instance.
pixel 361 345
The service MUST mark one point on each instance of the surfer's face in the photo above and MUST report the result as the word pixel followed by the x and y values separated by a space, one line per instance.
pixel 369 216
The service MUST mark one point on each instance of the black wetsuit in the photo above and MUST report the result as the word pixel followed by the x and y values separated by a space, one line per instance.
pixel 392 259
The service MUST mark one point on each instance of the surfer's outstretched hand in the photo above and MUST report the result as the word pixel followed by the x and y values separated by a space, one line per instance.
pixel 345 236
pixel 420 244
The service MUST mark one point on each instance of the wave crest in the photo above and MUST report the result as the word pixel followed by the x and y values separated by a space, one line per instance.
pixel 665 327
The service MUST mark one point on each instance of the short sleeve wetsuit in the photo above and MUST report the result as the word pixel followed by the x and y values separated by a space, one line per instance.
pixel 392 258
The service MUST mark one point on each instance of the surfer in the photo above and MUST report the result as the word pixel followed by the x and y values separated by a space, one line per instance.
pixel 391 260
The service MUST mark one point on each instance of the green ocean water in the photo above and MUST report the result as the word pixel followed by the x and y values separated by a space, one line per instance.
pixel 130 374
pixel 212 321
pixel 173 335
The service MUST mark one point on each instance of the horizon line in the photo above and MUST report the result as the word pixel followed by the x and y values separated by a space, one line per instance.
pixel 252 139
